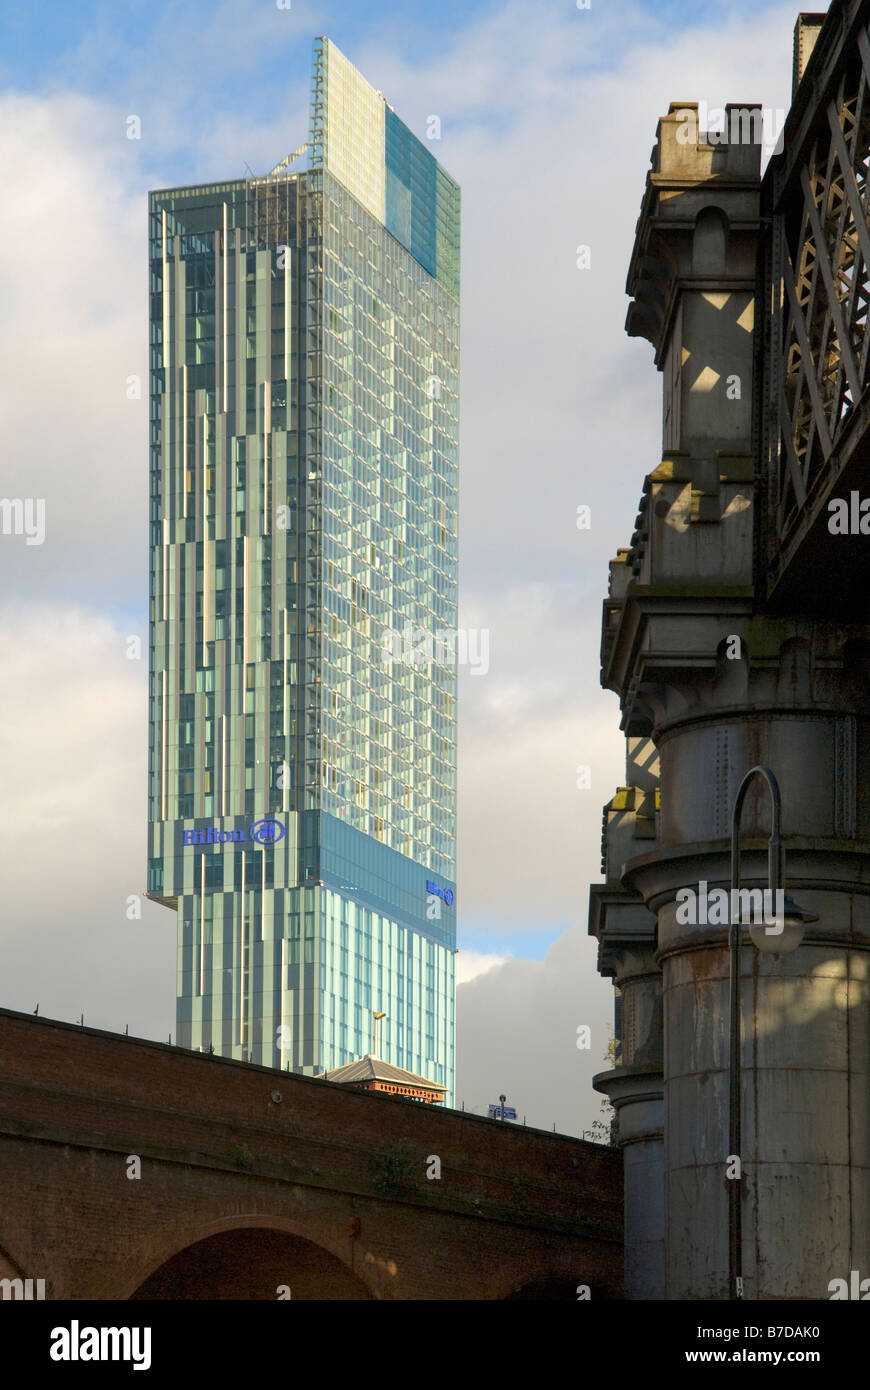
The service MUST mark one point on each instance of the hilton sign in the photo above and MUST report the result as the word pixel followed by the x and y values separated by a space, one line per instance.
pixel 446 894
pixel 262 832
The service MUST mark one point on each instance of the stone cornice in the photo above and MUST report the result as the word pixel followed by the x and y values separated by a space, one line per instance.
pixel 686 175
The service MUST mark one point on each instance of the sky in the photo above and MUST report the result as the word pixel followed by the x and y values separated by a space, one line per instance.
pixel 548 114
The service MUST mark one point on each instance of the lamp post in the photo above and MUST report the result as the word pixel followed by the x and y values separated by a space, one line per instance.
pixel 377 1016
pixel 786 935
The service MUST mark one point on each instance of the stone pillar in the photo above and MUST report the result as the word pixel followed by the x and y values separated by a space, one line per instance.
pixel 626 933
pixel 636 1095
pixel 716 684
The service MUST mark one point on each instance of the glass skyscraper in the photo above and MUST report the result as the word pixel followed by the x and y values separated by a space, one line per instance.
pixel 304 435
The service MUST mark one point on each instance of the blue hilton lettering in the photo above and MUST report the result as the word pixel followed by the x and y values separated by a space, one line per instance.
pixel 262 832
pixel 446 894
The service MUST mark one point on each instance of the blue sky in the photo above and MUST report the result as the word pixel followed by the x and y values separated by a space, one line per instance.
pixel 548 115
pixel 253 58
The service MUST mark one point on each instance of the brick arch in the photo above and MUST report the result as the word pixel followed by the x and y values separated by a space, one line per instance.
pixel 255 1252
pixel 553 1277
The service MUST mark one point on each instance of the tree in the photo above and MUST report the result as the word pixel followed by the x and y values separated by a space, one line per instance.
pixel 605 1130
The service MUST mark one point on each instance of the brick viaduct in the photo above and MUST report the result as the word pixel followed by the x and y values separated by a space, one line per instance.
pixel 253 1179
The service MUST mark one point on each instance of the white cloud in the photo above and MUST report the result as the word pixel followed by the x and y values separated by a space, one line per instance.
pixel 73 747
pixel 470 964
pixel 530 838
pixel 516 1032
pixel 73 284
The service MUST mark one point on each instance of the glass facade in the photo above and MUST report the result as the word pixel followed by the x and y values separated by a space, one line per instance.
pixel 304 436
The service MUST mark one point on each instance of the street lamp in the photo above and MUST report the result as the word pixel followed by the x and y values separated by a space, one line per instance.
pixel 787 936
pixel 377 1016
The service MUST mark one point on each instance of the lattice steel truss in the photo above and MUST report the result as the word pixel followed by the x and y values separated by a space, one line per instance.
pixel 816 267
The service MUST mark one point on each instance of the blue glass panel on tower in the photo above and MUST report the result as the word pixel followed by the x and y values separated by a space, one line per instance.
pixel 410 192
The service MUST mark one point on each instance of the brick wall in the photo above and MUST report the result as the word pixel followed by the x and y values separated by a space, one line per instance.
pixel 227 1149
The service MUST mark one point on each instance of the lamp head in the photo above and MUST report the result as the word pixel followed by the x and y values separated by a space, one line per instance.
pixel 785 934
